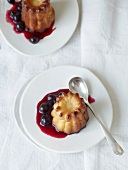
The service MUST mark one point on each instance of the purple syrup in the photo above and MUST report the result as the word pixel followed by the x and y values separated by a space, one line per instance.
pixel 49 130
pixel 90 99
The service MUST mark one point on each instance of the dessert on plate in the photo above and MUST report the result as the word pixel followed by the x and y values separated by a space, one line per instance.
pixel 61 112
pixel 69 113
pixel 38 15
pixel 33 18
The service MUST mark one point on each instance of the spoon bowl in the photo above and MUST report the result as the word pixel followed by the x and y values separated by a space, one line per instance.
pixel 78 85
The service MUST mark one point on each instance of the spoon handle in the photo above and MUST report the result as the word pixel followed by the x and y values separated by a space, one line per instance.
pixel 116 148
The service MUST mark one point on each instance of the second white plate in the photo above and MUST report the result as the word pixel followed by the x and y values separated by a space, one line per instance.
pixel 66 19
pixel 52 80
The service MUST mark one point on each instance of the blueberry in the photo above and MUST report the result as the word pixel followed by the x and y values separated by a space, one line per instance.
pixel 44 108
pixel 52 97
pixel 17 17
pixel 20 26
pixel 19 7
pixel 59 94
pixel 12 13
pixel 27 29
pixel 46 120
pixel 51 103
pixel 11 1
pixel 34 39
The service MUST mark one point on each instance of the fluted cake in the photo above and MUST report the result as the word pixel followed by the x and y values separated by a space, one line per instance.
pixel 69 113
pixel 38 15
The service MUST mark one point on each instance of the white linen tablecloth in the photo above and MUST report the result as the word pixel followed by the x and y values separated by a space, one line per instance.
pixel 101 46
pixel 104 50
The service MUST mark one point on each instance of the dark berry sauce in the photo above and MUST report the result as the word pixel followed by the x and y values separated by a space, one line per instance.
pixel 28 34
pixel 90 99
pixel 49 129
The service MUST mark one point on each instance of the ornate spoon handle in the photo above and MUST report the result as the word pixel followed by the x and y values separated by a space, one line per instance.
pixel 116 148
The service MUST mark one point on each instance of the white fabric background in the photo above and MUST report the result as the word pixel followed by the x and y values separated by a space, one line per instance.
pixel 100 44
pixel 104 42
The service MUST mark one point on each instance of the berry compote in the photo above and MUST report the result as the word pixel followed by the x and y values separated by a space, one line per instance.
pixel 13 16
pixel 44 118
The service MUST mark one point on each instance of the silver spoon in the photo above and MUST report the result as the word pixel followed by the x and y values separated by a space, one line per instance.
pixel 78 85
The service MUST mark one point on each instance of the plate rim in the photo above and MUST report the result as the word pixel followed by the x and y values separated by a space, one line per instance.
pixel 46 53
pixel 17 100
pixel 77 150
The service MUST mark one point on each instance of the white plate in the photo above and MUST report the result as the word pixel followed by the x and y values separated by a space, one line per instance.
pixel 52 80
pixel 67 14
pixel 17 113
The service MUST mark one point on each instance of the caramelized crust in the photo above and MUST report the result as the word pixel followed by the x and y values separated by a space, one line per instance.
pixel 69 113
pixel 38 15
